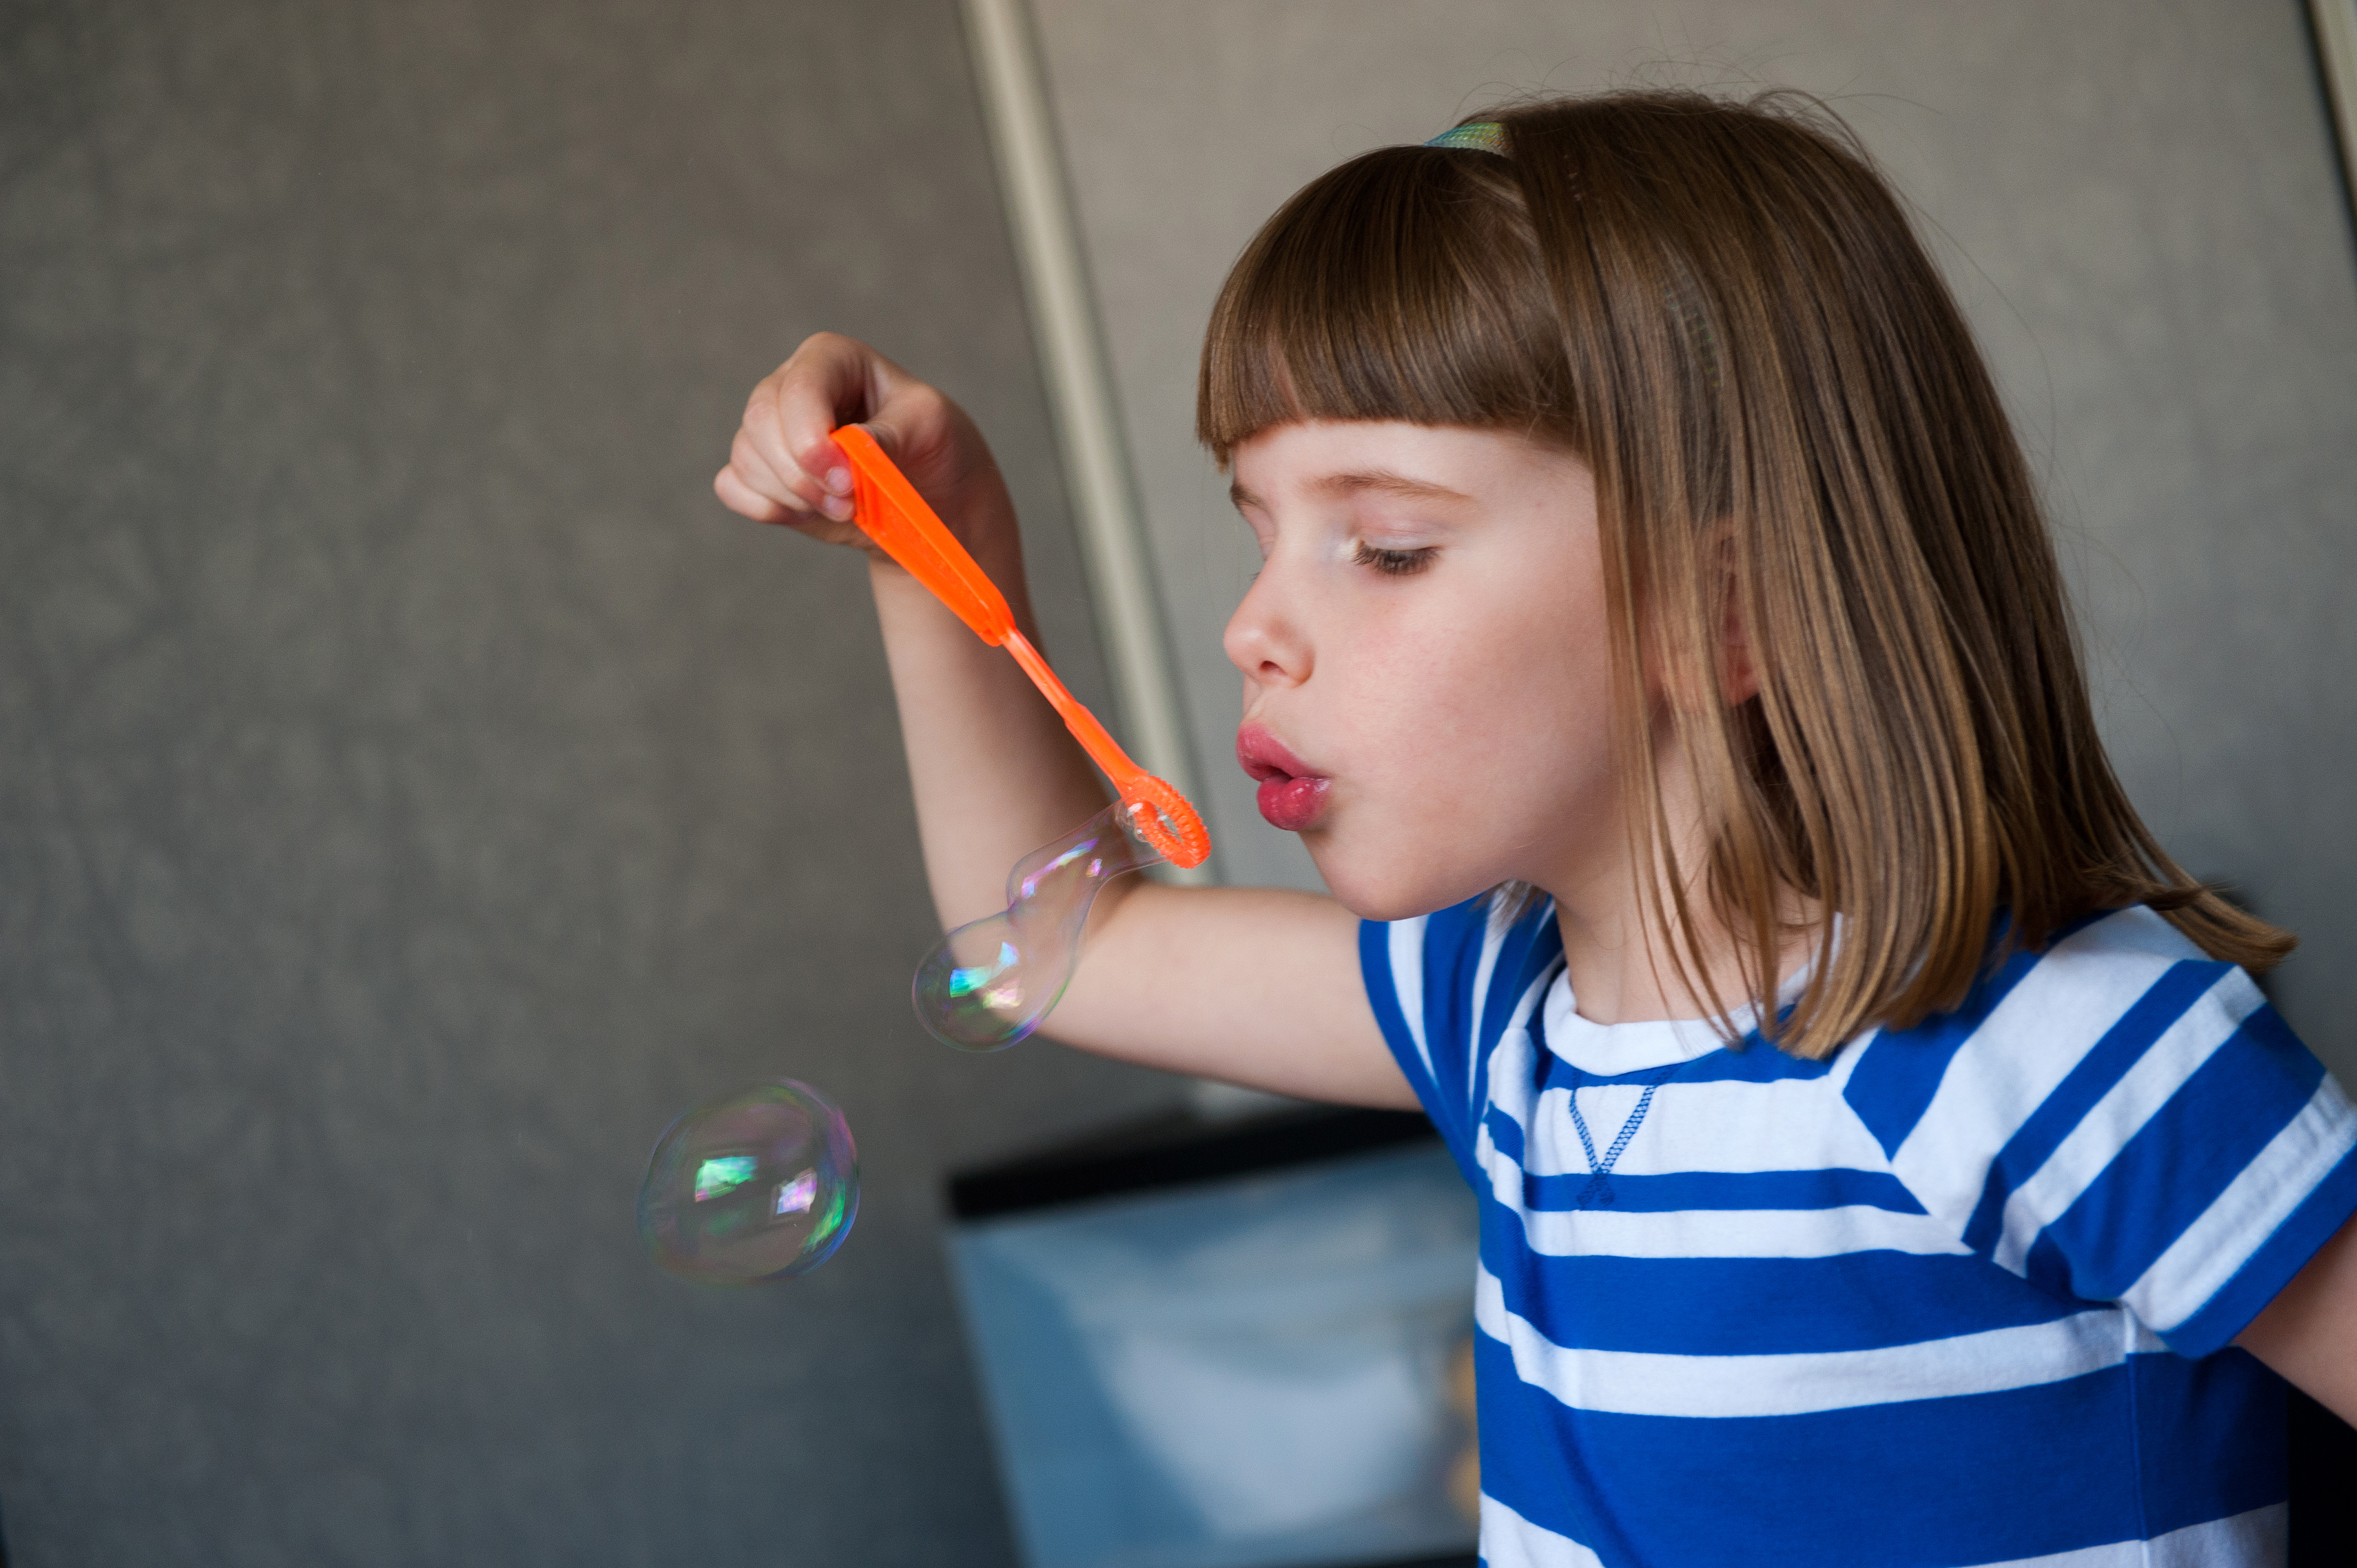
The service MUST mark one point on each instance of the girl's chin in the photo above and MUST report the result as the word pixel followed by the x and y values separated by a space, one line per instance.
pixel 1375 886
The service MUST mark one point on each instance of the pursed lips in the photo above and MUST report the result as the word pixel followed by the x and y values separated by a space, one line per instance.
pixel 1291 794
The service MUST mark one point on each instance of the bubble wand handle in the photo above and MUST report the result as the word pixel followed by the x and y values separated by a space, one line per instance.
pixel 888 510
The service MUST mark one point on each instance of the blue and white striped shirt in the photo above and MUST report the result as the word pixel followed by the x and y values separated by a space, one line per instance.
pixel 1958 1295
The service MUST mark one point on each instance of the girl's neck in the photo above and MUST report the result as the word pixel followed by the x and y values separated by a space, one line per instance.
pixel 1622 968
pixel 1620 971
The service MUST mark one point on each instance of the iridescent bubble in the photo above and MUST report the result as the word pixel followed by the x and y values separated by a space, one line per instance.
pixel 757 1186
pixel 991 982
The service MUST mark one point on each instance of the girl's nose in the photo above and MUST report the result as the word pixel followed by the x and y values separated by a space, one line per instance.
pixel 1265 639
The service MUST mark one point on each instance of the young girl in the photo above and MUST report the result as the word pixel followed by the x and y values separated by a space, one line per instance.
pixel 1880 1154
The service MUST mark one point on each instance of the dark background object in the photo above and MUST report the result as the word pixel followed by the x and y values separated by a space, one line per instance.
pixel 1181 1154
pixel 1177 1148
pixel 2322 1449
pixel 415 790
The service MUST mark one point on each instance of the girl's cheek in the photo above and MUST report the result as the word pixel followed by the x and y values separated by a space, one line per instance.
pixel 1396 645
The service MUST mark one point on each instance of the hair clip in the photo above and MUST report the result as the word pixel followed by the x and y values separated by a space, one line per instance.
pixel 1480 136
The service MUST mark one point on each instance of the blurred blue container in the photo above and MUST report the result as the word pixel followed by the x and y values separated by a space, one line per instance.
pixel 1225 1348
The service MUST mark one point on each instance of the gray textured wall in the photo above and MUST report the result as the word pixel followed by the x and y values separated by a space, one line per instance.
pixel 2136 200
pixel 415 788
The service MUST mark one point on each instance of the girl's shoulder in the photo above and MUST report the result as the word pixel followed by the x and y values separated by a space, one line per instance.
pixel 2121 969
pixel 2105 995
pixel 2117 1116
pixel 2135 936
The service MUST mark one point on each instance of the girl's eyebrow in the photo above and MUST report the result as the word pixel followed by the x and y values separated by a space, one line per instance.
pixel 1379 481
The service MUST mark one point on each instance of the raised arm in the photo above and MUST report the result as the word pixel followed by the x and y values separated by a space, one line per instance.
pixel 1253 986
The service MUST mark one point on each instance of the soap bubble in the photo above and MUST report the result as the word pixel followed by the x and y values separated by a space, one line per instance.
pixel 757 1186
pixel 991 982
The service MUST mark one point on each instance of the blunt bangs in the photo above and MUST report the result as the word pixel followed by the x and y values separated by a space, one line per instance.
pixel 1406 284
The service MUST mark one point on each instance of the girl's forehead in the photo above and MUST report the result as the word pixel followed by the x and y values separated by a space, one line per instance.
pixel 1390 456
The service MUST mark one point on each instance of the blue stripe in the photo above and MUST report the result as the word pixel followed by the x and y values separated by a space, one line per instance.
pixel 1477 1107
pixel 2177 1163
pixel 2272 1266
pixel 1750 1060
pixel 1548 1069
pixel 1383 994
pixel 1524 1461
pixel 1897 1074
pixel 1457 1081
pixel 1507 979
pixel 2035 1141
pixel 1534 947
pixel 1506 1134
pixel 1753 1061
pixel 2210 1438
pixel 1924 1482
pixel 1452 949
pixel 1830 1188
pixel 1758 1306
pixel 1445 1102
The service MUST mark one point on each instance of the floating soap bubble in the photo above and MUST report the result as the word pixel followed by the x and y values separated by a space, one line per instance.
pixel 757 1186
pixel 991 982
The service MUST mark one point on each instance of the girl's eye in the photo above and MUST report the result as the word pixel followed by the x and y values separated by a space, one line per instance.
pixel 1392 562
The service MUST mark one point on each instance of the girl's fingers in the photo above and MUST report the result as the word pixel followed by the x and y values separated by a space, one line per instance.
pixel 807 420
pixel 829 381
pixel 760 474
pixel 761 457
pixel 785 438
pixel 742 499
pixel 784 467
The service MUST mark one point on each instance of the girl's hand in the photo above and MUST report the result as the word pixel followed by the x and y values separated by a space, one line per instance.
pixel 1256 986
pixel 783 469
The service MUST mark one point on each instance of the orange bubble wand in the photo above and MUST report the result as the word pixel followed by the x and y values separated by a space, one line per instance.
pixel 888 510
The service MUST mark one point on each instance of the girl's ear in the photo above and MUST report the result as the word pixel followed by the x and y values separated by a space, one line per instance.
pixel 1716 642
pixel 1738 673
pixel 1738 676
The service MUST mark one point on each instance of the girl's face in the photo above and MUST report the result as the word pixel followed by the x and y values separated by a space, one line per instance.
pixel 1427 686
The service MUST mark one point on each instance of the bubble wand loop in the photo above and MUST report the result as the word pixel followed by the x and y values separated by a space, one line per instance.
pixel 888 510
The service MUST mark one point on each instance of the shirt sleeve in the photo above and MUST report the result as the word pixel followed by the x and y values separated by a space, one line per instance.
pixel 1444 987
pixel 2121 1120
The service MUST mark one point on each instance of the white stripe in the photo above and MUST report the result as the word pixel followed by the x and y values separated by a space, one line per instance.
pixel 2258 1539
pixel 1729 1127
pixel 1512 1055
pixel 1510 1541
pixel 1405 939
pixel 2198 1264
pixel 2024 1049
pixel 1727 1232
pixel 1845 1062
pixel 1510 1078
pixel 1528 1001
pixel 1691 1233
pixel 1629 1383
pixel 1493 938
pixel 2175 1056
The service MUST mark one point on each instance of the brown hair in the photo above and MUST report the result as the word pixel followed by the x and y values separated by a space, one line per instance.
pixel 1722 309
